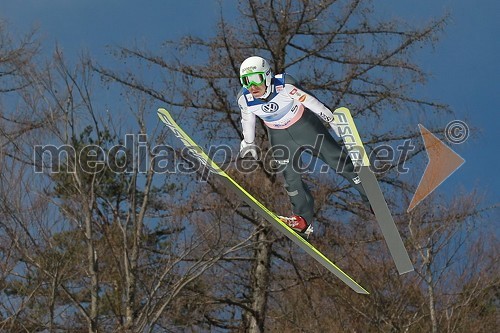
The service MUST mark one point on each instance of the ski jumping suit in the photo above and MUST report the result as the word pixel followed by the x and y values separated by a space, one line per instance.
pixel 289 114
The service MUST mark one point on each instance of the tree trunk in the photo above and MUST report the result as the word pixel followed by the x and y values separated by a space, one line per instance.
pixel 93 269
pixel 260 279
pixel 132 262
pixel 430 287
pixel 130 259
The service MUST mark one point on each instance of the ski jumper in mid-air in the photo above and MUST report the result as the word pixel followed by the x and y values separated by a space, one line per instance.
pixel 292 117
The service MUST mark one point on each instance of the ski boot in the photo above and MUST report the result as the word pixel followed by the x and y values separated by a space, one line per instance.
pixel 298 224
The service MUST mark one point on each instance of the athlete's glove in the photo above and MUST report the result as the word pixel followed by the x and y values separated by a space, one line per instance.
pixel 246 148
pixel 335 127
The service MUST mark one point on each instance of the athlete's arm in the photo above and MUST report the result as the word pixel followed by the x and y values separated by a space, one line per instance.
pixel 247 121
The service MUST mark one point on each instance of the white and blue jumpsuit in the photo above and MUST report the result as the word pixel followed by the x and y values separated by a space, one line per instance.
pixel 291 117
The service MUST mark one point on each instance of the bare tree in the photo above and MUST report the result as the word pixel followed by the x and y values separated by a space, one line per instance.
pixel 96 244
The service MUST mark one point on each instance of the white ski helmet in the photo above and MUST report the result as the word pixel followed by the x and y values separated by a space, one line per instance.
pixel 254 71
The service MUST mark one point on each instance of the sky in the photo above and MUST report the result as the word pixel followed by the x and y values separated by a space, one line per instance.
pixel 464 63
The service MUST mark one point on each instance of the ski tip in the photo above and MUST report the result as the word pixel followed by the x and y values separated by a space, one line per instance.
pixel 342 109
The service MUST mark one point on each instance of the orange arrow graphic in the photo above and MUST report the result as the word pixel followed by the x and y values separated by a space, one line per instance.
pixel 442 163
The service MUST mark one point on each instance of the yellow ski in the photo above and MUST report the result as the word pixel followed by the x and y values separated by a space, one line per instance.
pixel 359 157
pixel 255 204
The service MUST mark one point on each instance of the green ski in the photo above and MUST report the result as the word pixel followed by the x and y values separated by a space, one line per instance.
pixel 354 145
pixel 271 217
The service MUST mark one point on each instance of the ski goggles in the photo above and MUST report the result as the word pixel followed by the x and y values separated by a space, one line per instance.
pixel 252 79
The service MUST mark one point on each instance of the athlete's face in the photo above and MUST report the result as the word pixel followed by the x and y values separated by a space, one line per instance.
pixel 258 91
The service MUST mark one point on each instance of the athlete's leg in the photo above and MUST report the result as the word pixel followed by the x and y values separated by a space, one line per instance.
pixel 286 154
pixel 317 137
